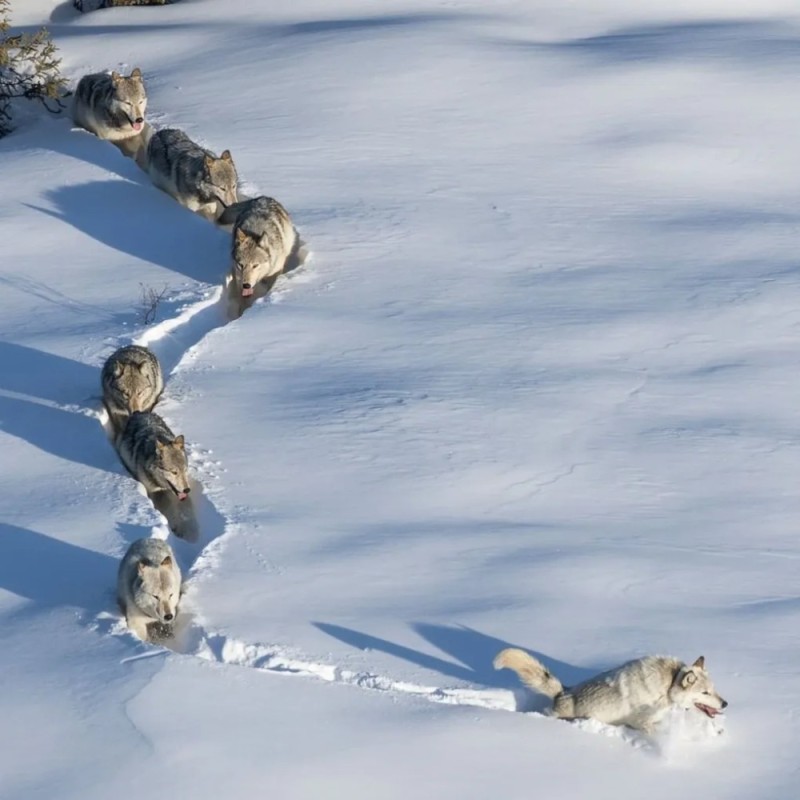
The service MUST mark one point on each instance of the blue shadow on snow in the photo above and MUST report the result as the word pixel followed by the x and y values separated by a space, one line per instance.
pixel 473 653
pixel 51 572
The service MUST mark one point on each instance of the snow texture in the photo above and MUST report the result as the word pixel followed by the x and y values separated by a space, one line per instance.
pixel 535 387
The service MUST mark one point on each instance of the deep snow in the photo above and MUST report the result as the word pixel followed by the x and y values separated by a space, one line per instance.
pixel 535 387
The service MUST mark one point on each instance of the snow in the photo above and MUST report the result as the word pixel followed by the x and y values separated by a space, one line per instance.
pixel 535 387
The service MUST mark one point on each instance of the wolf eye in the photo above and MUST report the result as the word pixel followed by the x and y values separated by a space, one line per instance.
pixel 706 692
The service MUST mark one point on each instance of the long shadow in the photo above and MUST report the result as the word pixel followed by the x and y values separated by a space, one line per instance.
pixel 360 538
pixel 474 652
pixel 348 24
pixel 84 146
pixel 65 434
pixel 153 227
pixel 724 219
pixel 64 18
pixel 745 42
pixel 33 372
pixel 51 572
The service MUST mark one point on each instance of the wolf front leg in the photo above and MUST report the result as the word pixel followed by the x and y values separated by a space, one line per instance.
pixel 137 623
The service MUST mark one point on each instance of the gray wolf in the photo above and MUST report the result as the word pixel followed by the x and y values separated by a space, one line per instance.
pixel 194 176
pixel 154 455
pixel 637 694
pixel 149 588
pixel 132 381
pixel 263 240
pixel 111 106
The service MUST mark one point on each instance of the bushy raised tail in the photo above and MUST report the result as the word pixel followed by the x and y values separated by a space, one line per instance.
pixel 531 672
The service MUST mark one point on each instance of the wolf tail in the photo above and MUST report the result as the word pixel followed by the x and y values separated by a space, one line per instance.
pixel 531 672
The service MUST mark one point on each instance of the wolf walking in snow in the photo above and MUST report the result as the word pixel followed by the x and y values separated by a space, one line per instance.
pixel 112 107
pixel 194 176
pixel 154 455
pixel 149 588
pixel 263 240
pixel 132 381
pixel 637 694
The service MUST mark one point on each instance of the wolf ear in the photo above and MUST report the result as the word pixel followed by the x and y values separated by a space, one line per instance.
pixel 142 566
pixel 700 663
pixel 118 369
pixel 115 77
pixel 226 155
pixel 159 444
pixel 241 236
pixel 167 562
pixel 137 73
pixel 180 441
pixel 207 161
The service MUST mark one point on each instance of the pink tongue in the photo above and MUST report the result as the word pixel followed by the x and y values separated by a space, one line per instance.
pixel 247 292
pixel 137 126
pixel 182 495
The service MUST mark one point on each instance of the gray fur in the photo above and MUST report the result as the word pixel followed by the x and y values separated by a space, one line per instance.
pixel 637 694
pixel 154 455
pixel 262 241
pixel 111 106
pixel 149 588
pixel 194 176
pixel 132 381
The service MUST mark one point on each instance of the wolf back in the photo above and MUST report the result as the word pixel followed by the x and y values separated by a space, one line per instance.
pixel 154 455
pixel 132 381
pixel 194 176
pixel 112 106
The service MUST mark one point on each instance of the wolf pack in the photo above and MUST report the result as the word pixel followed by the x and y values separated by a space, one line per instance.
pixel 264 242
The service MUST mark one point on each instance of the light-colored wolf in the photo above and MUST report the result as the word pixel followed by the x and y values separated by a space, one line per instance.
pixel 112 107
pixel 154 455
pixel 194 176
pixel 132 381
pixel 637 694
pixel 149 588
pixel 263 240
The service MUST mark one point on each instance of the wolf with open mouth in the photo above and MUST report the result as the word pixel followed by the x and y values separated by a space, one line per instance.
pixel 154 455
pixel 111 106
pixel 637 694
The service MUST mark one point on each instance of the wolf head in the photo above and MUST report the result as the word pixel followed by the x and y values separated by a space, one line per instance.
pixel 172 466
pixel 248 258
pixel 693 689
pixel 133 384
pixel 157 589
pixel 220 180
pixel 130 98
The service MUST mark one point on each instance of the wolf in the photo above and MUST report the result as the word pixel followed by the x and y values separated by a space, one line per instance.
pixel 112 107
pixel 637 694
pixel 149 588
pixel 263 239
pixel 153 454
pixel 132 381
pixel 194 176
